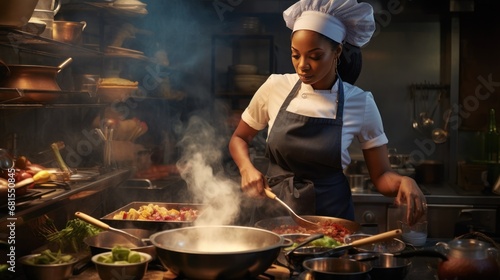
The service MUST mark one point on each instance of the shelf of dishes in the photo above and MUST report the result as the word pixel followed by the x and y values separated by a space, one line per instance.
pixel 22 41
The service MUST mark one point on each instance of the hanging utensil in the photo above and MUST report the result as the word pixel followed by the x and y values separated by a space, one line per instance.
pixel 429 120
pixel 296 218
pixel 414 123
pixel 91 220
pixel 440 135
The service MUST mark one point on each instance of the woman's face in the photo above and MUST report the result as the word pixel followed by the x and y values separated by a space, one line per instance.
pixel 314 59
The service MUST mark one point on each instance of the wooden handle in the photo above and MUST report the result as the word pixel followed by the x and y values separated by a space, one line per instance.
pixel 269 193
pixel 92 220
pixel 377 238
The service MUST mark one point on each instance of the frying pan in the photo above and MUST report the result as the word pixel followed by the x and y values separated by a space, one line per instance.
pixel 106 240
pixel 217 252
pixel 273 223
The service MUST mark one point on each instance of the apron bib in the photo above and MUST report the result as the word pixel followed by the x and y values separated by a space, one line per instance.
pixel 308 149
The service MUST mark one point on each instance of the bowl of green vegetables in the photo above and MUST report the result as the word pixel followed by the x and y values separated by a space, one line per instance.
pixel 48 265
pixel 317 248
pixel 121 263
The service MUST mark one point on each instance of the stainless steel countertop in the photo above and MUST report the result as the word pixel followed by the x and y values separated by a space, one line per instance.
pixel 435 194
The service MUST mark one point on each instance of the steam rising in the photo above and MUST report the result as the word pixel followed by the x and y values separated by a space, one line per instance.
pixel 201 168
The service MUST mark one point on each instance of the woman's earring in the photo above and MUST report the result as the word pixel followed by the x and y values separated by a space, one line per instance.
pixel 338 61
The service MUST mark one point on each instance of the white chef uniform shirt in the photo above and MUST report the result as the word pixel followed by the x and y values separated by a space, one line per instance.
pixel 361 116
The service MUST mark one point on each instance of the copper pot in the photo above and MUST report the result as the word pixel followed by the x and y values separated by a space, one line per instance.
pixel 38 81
pixel 468 259
pixel 68 31
pixel 16 13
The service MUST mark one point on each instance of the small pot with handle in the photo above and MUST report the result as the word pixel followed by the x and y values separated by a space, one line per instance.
pixel 468 259
pixel 39 81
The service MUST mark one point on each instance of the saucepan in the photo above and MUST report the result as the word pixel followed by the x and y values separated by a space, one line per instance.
pixel 106 240
pixel 39 81
pixel 217 252
pixel 336 269
pixel 391 266
pixel 297 256
pixel 68 31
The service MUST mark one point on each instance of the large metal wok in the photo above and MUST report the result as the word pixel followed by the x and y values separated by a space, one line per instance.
pixel 217 252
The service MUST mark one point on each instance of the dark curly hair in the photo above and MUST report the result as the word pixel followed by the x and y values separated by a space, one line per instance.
pixel 350 63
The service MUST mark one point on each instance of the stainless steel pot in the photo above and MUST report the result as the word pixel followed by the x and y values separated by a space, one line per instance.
pixel 217 252
pixel 106 240
pixel 336 269
pixel 384 265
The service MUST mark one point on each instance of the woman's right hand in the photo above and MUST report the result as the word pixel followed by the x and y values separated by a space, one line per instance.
pixel 253 182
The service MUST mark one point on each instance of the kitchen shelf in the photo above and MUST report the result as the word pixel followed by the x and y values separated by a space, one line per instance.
pixel 24 41
pixel 241 48
pixel 14 98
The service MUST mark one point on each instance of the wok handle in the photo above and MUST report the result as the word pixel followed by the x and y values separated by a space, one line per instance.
pixel 92 220
pixel 376 238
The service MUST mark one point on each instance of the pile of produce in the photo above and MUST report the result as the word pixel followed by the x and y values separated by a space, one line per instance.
pixel 154 212
pixel 49 257
pixel 120 255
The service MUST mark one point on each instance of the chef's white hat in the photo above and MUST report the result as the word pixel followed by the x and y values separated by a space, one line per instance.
pixel 338 20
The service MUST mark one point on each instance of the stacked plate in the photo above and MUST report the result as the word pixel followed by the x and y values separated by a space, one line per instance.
pixel 131 5
pixel 246 79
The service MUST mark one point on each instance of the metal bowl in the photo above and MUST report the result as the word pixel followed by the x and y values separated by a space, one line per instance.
pixel 133 271
pixel 387 246
pixel 217 252
pixel 386 266
pixel 46 271
pixel 106 240
pixel 337 268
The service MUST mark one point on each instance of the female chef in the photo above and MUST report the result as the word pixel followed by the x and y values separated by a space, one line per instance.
pixel 312 117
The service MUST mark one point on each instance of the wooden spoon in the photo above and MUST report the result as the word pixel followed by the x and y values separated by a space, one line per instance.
pixel 91 220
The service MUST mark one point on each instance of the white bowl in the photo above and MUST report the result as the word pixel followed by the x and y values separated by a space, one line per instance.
pixel 248 83
pixel 245 69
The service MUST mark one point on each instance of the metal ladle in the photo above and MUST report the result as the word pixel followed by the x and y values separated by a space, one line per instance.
pixel 91 220
pixel 440 135
pixel 296 218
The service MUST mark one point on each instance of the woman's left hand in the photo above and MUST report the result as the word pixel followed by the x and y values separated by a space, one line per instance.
pixel 409 194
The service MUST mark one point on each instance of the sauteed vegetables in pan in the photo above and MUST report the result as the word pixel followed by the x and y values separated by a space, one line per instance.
pixel 328 228
pixel 158 213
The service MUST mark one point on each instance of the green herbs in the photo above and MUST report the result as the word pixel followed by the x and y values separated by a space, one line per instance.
pixel 120 255
pixel 326 242
pixel 70 237
pixel 49 257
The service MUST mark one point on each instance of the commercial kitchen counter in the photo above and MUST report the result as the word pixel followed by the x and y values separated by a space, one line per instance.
pixel 423 268
pixel 20 225
pixel 53 198
pixel 436 194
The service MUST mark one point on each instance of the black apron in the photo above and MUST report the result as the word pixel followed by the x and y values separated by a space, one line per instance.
pixel 309 148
